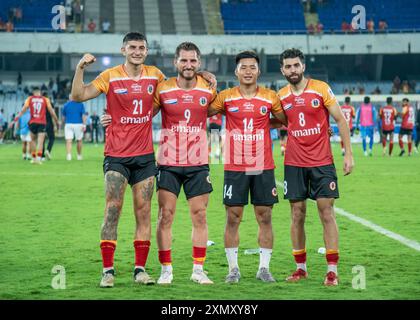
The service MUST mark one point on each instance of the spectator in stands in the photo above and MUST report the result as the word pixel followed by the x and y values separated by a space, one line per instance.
pixel 311 29
pixel 91 26
pixel 370 25
pixel 1 88
pixel 412 85
pixel 383 26
pixel 18 14
pixel 377 90
pixel 405 88
pixel 106 25
pixel 2 25
pixel 9 26
pixel 361 89
pixel 19 79
pixel 319 28
pixel 396 83
pixel 345 27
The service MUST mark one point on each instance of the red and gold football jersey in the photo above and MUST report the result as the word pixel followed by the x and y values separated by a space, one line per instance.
pixel 248 141
pixel 387 115
pixel 183 138
pixel 349 113
pixel 38 108
pixel 407 117
pixel 130 103
pixel 308 143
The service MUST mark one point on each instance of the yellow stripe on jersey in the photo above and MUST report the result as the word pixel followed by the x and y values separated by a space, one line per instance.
pixel 171 85
pixel 318 87
pixel 118 73
pixel 264 94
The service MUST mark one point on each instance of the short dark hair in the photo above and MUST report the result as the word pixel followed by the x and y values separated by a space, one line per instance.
pixel 347 99
pixel 405 99
pixel 245 55
pixel 290 54
pixel 133 36
pixel 36 89
pixel 187 46
pixel 366 99
pixel 389 100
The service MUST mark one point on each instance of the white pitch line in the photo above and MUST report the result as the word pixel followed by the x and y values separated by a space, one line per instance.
pixel 408 242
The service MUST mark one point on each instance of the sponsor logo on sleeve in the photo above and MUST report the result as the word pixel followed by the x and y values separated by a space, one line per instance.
pixel 233 109
pixel 170 101
pixel 288 106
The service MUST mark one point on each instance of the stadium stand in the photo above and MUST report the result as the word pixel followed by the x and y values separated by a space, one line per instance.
pixel 137 15
pixel 401 15
pixel 197 21
pixel 152 18
pixel 166 16
pixel 262 17
pixel 181 17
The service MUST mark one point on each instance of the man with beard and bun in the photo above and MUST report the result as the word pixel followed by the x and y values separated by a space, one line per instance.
pixel 249 164
pixel 388 114
pixel 309 170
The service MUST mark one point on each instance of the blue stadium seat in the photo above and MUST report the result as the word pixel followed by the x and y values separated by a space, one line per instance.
pixel 262 16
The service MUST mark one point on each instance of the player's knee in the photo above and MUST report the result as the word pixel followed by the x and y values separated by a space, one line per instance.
pixel 166 216
pixel 327 215
pixel 199 217
pixel 263 217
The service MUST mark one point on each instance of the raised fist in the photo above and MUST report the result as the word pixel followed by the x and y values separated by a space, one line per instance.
pixel 86 60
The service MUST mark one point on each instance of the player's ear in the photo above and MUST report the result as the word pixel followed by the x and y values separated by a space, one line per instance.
pixel 123 50
pixel 303 67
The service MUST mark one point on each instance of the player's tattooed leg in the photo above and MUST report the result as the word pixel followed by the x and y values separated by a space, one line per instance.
pixel 147 188
pixel 115 184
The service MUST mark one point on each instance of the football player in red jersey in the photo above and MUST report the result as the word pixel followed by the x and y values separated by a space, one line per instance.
pixel 38 105
pixel 183 158
pixel 388 114
pixel 129 159
pixel 349 114
pixel 407 125
pixel 309 170
pixel 249 165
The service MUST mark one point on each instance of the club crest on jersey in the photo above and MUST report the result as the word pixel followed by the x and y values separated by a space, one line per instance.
pixel 171 101
pixel 150 89
pixel 203 101
pixel 288 106
pixel 233 109
pixel 263 110
pixel 315 103
pixel 121 91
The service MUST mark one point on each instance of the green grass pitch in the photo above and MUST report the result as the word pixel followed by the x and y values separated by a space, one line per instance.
pixel 51 215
